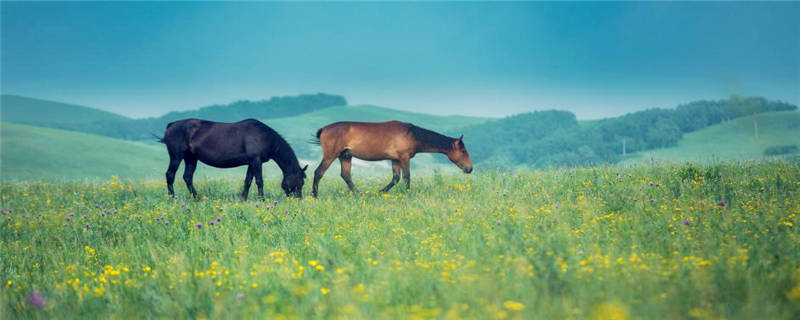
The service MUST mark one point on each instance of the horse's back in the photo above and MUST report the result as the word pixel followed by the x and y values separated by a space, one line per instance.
pixel 221 144
pixel 343 127
pixel 367 140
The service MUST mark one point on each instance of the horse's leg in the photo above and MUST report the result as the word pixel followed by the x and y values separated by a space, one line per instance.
pixel 405 164
pixel 256 165
pixel 323 165
pixel 174 162
pixel 345 162
pixel 188 173
pixel 395 176
pixel 248 179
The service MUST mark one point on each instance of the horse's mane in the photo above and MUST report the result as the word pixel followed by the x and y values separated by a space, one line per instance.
pixel 430 138
pixel 283 152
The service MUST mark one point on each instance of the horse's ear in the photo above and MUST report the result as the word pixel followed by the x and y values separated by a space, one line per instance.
pixel 461 137
pixel 304 168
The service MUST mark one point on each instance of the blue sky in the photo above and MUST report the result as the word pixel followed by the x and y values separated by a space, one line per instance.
pixel 488 59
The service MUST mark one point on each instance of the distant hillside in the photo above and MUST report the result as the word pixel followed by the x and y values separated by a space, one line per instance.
pixel 84 119
pixel 42 153
pixel 300 129
pixel 735 139
pixel 276 107
pixel 46 113
pixel 553 137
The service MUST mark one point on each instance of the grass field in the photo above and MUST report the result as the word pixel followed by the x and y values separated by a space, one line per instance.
pixel 732 140
pixel 648 242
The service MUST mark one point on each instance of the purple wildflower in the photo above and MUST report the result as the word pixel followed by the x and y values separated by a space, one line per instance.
pixel 68 219
pixel 87 225
pixel 4 211
pixel 103 214
pixel 36 299
pixel 267 207
pixel 239 296
pixel 721 203
pixel 199 225
pixel 97 206
pixel 274 202
pixel 211 223
pixel 686 222
pixel 219 219
pixel 83 216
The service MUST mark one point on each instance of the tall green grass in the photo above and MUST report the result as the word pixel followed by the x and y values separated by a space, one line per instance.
pixel 689 241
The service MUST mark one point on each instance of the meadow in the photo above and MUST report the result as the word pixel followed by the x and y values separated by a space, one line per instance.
pixel 707 241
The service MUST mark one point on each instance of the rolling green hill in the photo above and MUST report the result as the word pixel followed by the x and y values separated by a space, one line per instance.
pixel 26 110
pixel 30 152
pixel 22 110
pixel 735 139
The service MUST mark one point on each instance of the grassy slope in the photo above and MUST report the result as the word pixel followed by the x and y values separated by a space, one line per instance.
pixel 548 244
pixel 734 139
pixel 40 153
pixel 29 110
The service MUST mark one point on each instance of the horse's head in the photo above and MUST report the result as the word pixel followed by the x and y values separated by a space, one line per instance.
pixel 292 183
pixel 458 154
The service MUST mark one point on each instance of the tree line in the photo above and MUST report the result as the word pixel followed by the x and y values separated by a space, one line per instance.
pixel 554 137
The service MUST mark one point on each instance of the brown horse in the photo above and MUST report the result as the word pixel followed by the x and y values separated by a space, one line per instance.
pixel 394 140
pixel 227 145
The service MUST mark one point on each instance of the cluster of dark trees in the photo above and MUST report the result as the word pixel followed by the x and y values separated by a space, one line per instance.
pixel 780 150
pixel 547 138
pixel 144 129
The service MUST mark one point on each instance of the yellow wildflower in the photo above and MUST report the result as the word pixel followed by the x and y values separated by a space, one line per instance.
pixel 610 311
pixel 513 305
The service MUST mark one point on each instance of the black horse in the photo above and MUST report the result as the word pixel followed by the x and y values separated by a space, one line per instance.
pixel 227 145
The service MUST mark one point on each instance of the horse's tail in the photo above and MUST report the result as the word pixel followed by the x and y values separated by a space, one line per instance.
pixel 158 138
pixel 315 138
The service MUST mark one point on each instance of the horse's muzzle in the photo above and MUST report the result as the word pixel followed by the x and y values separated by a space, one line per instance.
pixel 297 195
pixel 468 170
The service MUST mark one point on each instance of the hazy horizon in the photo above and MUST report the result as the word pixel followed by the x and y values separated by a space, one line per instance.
pixel 479 59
